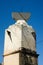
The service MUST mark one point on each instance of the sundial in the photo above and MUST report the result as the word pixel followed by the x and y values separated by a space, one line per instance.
pixel 20 16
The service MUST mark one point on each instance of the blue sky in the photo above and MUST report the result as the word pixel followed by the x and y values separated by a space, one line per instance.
pixel 35 7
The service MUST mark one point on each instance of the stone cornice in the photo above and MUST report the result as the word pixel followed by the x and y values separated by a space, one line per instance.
pixel 24 51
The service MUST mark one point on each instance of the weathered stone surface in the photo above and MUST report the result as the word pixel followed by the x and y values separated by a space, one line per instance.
pixel 19 35
pixel 27 60
pixel 20 45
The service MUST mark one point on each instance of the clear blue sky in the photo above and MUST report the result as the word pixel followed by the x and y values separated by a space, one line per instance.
pixel 35 7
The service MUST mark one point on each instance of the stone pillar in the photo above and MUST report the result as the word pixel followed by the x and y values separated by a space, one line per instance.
pixel 20 42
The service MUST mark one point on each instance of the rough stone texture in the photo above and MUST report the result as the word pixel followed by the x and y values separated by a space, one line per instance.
pixel 17 36
pixel 27 60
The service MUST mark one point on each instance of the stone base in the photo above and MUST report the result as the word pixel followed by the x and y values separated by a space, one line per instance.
pixel 21 57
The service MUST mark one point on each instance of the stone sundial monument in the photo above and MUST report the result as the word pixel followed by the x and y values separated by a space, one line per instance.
pixel 20 42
